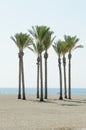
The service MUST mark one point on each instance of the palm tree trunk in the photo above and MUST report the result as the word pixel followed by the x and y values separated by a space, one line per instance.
pixel 19 91
pixel 69 57
pixel 60 73
pixel 41 78
pixel 64 67
pixel 23 84
pixel 38 77
pixel 45 78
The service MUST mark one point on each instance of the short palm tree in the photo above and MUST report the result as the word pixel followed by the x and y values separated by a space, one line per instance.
pixel 39 33
pixel 22 41
pixel 64 50
pixel 57 48
pixel 47 43
pixel 71 41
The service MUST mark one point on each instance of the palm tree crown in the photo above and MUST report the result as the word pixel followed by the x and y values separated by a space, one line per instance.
pixel 39 33
pixel 71 42
pixel 22 40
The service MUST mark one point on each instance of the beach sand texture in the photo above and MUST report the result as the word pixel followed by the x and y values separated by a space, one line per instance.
pixel 52 114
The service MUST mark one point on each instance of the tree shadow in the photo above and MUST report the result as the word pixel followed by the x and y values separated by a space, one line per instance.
pixel 75 101
pixel 71 102
pixel 63 128
pixel 44 101
pixel 70 105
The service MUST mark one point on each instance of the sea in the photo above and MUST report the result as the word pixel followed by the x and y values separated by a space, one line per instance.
pixel 33 90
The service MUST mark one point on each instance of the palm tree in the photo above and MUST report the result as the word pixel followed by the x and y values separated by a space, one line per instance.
pixel 57 48
pixel 35 50
pixel 64 50
pixel 39 33
pixel 22 41
pixel 71 41
pixel 47 43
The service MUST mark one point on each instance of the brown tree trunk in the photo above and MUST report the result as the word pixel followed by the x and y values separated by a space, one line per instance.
pixel 69 74
pixel 38 77
pixel 19 91
pixel 41 78
pixel 60 73
pixel 23 84
pixel 46 56
pixel 64 67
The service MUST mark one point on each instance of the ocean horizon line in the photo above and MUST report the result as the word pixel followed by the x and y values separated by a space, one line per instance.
pixel 48 87
pixel 34 90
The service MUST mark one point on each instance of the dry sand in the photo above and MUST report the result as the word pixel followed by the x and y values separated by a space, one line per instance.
pixel 52 114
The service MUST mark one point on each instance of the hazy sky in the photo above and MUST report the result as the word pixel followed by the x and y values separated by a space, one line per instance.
pixel 62 16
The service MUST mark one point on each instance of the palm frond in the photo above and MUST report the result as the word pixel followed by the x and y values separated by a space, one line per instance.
pixel 16 40
pixel 48 40
pixel 64 48
pixel 30 49
pixel 13 39
pixel 57 47
pixel 33 32
pixel 79 46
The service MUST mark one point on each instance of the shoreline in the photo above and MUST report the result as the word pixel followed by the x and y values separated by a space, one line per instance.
pixel 52 114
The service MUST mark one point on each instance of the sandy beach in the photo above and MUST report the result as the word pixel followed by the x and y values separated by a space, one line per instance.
pixel 52 114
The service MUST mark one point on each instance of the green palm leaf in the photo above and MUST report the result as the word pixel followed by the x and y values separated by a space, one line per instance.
pixel 79 46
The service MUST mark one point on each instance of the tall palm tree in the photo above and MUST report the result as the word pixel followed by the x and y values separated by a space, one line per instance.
pixel 71 41
pixel 39 33
pixel 22 40
pixel 64 50
pixel 47 43
pixel 34 48
pixel 57 48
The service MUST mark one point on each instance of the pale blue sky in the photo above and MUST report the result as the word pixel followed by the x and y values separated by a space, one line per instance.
pixel 62 16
